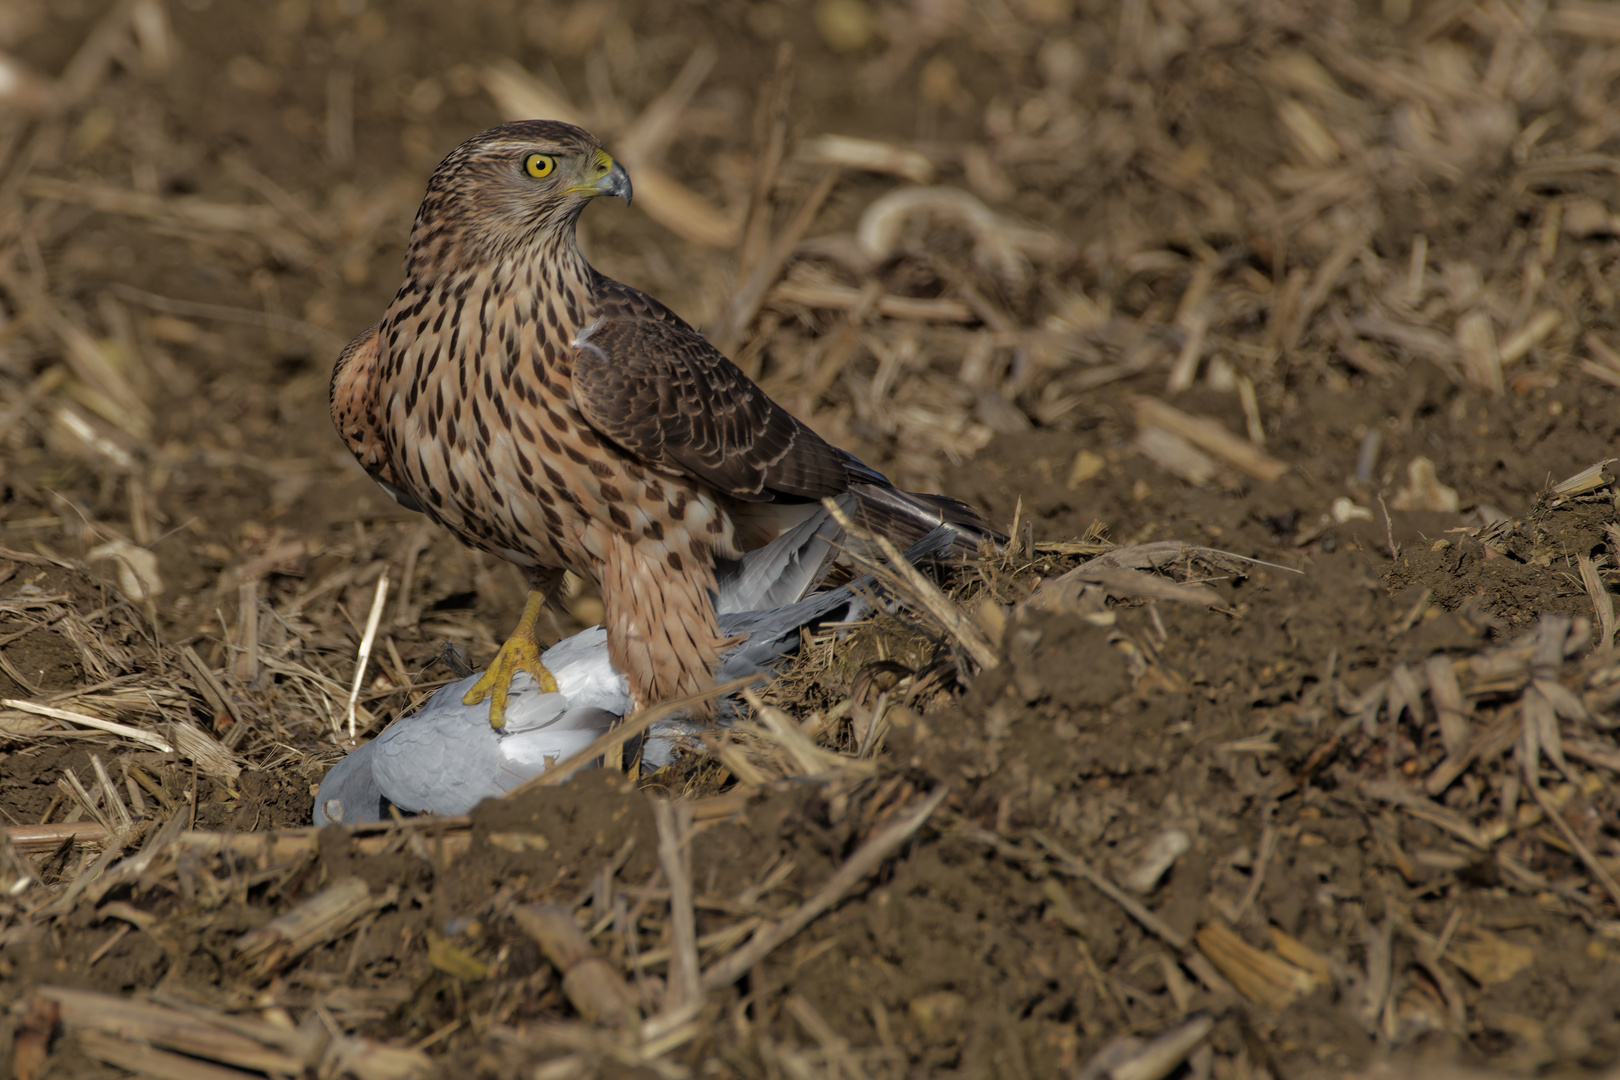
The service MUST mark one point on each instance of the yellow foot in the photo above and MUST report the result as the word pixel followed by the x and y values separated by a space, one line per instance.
pixel 520 653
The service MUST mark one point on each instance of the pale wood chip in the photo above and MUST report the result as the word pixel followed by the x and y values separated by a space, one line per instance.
pixel 1259 975
pixel 1208 435
pixel 1451 708
pixel 1531 334
pixel 1176 455
pixel 869 155
pixel 1482 362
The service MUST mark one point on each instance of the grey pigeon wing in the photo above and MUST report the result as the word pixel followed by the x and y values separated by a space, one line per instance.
pixel 785 570
pixel 774 632
pixel 446 759
pixel 527 754
pixel 438 760
pixel 585 676
pixel 935 544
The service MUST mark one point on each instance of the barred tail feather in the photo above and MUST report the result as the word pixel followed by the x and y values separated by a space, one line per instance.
pixel 906 517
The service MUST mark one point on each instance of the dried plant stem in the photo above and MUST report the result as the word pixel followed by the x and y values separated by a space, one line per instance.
pixel 326 916
pixel 1133 907
pixel 897 571
pixel 1268 844
pixel 316 336
pixel 110 796
pixel 872 853
pixel 746 301
pixel 30 839
pixel 1128 1058
pixel 1602 599
pixel 109 726
pixel 674 826
pixel 1598 870
pixel 589 981
pixel 1210 436
pixel 74 788
pixel 210 686
pixel 366 641
pixel 202 1037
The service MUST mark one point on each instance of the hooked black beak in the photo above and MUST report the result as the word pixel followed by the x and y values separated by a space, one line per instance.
pixel 615 182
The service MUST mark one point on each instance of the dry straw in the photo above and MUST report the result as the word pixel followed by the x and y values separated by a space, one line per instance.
pixel 923 294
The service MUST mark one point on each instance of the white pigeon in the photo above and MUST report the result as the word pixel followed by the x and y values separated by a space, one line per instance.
pixel 446 758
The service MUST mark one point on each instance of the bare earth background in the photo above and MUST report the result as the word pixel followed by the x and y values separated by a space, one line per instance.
pixel 1324 284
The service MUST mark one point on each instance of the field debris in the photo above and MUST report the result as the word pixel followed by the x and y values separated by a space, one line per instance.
pixel 1279 736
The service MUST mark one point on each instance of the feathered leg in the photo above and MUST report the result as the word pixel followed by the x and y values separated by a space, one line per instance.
pixel 662 630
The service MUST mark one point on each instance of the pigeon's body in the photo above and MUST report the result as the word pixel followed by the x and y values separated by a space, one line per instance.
pixel 446 758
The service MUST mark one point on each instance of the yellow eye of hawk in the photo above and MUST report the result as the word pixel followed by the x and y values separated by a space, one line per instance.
pixel 539 165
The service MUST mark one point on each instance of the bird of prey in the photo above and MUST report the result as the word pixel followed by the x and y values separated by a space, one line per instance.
pixel 446 759
pixel 563 421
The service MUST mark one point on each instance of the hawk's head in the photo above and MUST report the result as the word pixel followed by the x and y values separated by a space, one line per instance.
pixel 515 184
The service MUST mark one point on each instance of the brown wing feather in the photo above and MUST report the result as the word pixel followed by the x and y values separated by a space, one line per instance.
pixel 353 403
pixel 654 386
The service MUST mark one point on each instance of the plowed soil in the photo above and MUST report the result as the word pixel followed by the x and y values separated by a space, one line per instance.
pixel 978 950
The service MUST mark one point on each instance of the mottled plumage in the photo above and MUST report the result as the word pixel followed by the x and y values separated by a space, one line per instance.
pixel 564 421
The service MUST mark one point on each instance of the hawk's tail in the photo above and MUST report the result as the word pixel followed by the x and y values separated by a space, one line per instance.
pixel 811 551
pixel 906 517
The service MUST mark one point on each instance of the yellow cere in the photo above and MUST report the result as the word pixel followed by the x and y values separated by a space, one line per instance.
pixel 604 161
pixel 539 165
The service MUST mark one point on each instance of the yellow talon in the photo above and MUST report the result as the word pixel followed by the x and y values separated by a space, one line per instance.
pixel 520 653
